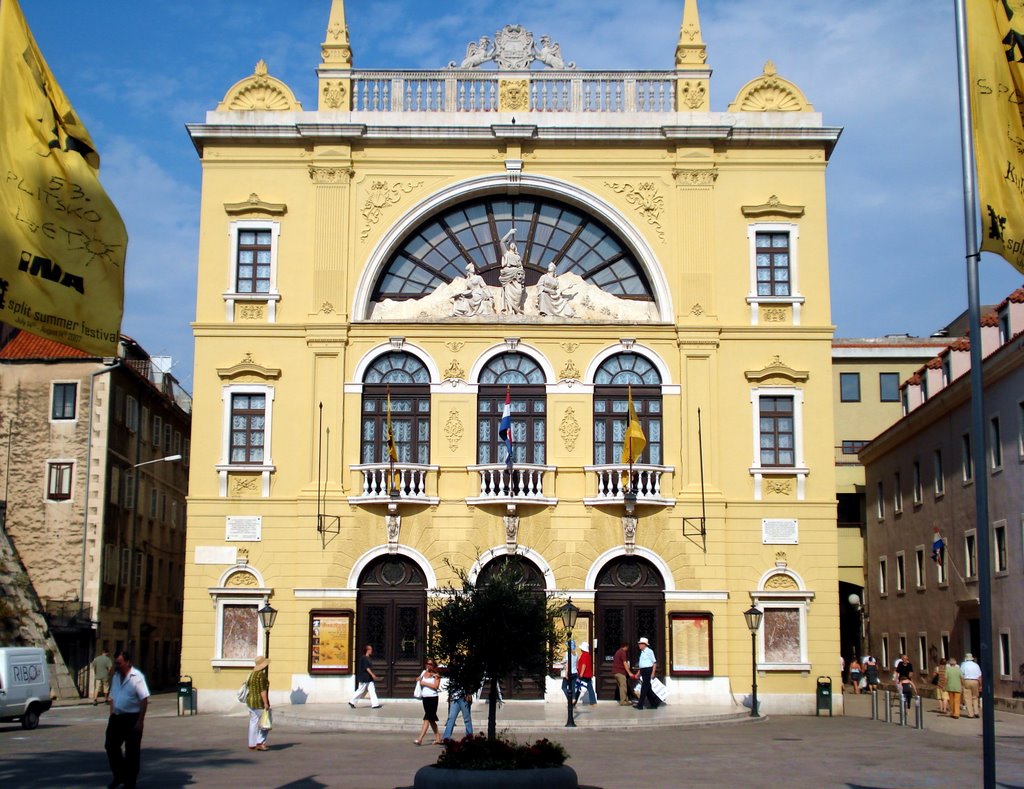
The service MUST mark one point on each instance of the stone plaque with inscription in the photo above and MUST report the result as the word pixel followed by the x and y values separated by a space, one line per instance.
pixel 778 531
pixel 244 528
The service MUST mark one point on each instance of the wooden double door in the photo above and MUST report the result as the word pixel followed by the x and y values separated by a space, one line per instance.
pixel 629 605
pixel 391 615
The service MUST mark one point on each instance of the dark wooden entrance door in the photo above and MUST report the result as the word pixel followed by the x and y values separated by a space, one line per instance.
pixel 533 578
pixel 629 604
pixel 391 614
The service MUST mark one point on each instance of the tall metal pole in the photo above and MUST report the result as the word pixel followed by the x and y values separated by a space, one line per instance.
pixel 978 442
pixel 753 674
pixel 570 677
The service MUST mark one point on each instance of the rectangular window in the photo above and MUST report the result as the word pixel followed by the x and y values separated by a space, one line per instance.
pixel 126 556
pixel 177 442
pixel 129 489
pixel 901 572
pixel 944 645
pixel 999 546
pixel 880 500
pixel 115 485
pixel 145 424
pixel 137 572
pixel 883 580
pixel 168 437
pixel 1005 662
pixel 152 503
pixel 248 423
pixel 947 370
pixel 109 564
pixel 995 445
pixel 149 575
pixel 971 554
pixel 157 430
pixel 782 641
pixel 940 477
pixel 851 447
pixel 885 650
pixel 903 644
pixel 58 480
pixel 919 565
pixel 905 401
pixel 889 387
pixel 1004 326
pixel 131 414
pixel 174 513
pixel 849 387
pixel 922 652
pixel 777 431
pixel 252 264
pixel 163 508
pixel 897 495
pixel 772 256
pixel 186 452
pixel 917 482
pixel 966 461
pixel 64 401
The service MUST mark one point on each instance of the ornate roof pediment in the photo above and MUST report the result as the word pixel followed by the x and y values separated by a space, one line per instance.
pixel 770 93
pixel 772 207
pixel 255 206
pixel 259 91
pixel 249 367
pixel 776 370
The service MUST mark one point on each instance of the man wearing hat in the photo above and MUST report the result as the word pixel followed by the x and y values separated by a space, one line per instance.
pixel 972 684
pixel 646 664
pixel 585 673
pixel 258 700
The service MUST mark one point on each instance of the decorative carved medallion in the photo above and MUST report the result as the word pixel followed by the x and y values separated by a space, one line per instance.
pixel 513 50
pixel 695 177
pixel 329 175
pixel 326 308
pixel 513 95
pixel 569 429
pixel 694 93
pixel 454 345
pixel 629 533
pixel 335 94
pixel 779 487
pixel 453 430
pixel 259 91
pixel 393 524
pixel 697 310
pixel 244 487
pixel 645 199
pixel 781 581
pixel 243 578
pixel 380 197
pixel 251 312
pixel 511 532
pixel 570 370
pixel 570 347
pixel 454 370
pixel 774 314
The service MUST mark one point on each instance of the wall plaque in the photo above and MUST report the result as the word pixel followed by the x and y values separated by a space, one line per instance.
pixel 778 531
pixel 244 528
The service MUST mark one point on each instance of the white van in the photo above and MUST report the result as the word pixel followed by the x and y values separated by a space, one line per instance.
pixel 24 685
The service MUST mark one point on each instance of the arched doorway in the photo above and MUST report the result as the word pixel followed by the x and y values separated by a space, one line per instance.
pixel 391 614
pixel 629 602
pixel 533 579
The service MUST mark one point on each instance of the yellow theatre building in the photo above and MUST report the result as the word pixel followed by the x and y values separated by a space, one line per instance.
pixel 509 225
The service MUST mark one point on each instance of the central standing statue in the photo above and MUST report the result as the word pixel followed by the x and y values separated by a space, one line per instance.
pixel 513 276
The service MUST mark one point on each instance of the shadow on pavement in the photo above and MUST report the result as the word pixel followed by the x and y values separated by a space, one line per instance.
pixel 304 783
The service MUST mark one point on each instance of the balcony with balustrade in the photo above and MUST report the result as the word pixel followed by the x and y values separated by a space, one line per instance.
pixel 612 481
pixel 525 485
pixel 412 483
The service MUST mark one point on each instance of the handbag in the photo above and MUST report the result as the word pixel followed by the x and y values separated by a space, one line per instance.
pixel 243 692
pixel 417 692
pixel 265 722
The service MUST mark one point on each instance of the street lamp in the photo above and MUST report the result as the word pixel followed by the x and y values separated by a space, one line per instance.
pixel 135 528
pixel 268 615
pixel 854 600
pixel 569 614
pixel 753 616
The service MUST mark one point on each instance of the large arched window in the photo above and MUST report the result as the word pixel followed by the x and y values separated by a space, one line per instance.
pixel 612 382
pixel 524 379
pixel 409 383
pixel 547 231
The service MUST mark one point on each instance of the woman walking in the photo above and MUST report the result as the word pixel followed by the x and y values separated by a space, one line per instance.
pixel 427 683
pixel 259 703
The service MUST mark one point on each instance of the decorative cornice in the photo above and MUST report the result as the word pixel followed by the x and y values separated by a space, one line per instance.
pixel 247 366
pixel 773 207
pixel 255 206
pixel 330 175
pixel 777 369
pixel 688 177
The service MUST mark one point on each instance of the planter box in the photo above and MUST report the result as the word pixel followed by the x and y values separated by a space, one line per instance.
pixel 431 777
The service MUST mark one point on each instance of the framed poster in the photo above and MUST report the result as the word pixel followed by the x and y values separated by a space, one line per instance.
pixel 330 641
pixel 692 647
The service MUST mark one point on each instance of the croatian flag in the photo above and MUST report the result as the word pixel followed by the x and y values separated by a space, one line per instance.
pixel 937 547
pixel 505 427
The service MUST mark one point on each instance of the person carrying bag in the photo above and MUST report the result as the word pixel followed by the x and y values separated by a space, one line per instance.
pixel 258 701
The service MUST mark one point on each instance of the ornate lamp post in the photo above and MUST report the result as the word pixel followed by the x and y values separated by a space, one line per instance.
pixel 569 614
pixel 753 616
pixel 268 615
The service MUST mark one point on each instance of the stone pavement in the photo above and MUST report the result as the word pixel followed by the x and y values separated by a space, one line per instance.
pixel 794 752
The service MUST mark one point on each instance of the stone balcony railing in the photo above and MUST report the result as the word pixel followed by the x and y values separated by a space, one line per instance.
pixel 612 482
pixel 470 90
pixel 525 485
pixel 410 483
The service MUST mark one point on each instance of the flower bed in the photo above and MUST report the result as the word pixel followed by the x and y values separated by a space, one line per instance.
pixel 480 753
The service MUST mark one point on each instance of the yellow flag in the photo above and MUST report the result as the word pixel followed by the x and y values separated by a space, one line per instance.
pixel 62 241
pixel 389 439
pixel 995 57
pixel 634 441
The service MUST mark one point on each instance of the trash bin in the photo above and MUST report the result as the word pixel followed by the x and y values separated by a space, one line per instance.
pixel 186 696
pixel 824 696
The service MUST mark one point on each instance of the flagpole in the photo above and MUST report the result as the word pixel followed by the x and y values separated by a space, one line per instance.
pixel 978 442
pixel 629 438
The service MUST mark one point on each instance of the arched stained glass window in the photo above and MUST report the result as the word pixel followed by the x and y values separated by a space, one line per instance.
pixel 547 231
pixel 524 379
pixel 612 383
pixel 512 368
pixel 407 380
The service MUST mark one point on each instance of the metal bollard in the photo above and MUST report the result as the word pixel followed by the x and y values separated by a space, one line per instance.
pixel 874 704
pixel 888 706
pixel 903 709
pixel 918 713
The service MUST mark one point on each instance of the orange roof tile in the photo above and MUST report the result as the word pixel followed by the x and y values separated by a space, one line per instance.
pixel 31 346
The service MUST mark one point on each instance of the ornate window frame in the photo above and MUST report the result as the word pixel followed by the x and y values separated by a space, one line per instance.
pixel 224 466
pixel 795 299
pixel 799 468
pixel 767 598
pixel 232 295
pixel 253 592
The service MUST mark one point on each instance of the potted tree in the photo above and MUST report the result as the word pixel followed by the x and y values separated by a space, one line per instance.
pixel 498 628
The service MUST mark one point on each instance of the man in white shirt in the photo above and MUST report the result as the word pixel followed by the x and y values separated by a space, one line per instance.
pixel 129 698
pixel 972 684
pixel 647 664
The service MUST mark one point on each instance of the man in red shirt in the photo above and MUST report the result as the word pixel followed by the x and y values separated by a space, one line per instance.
pixel 585 673
pixel 622 673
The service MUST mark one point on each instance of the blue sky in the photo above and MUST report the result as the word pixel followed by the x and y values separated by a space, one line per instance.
pixel 885 71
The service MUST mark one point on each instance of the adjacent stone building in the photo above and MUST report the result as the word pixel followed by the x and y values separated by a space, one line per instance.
pixel 95 513
pixel 419 248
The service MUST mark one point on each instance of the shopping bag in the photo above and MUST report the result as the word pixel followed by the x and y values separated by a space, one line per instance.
pixel 243 692
pixel 265 721
pixel 659 688
pixel 417 692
